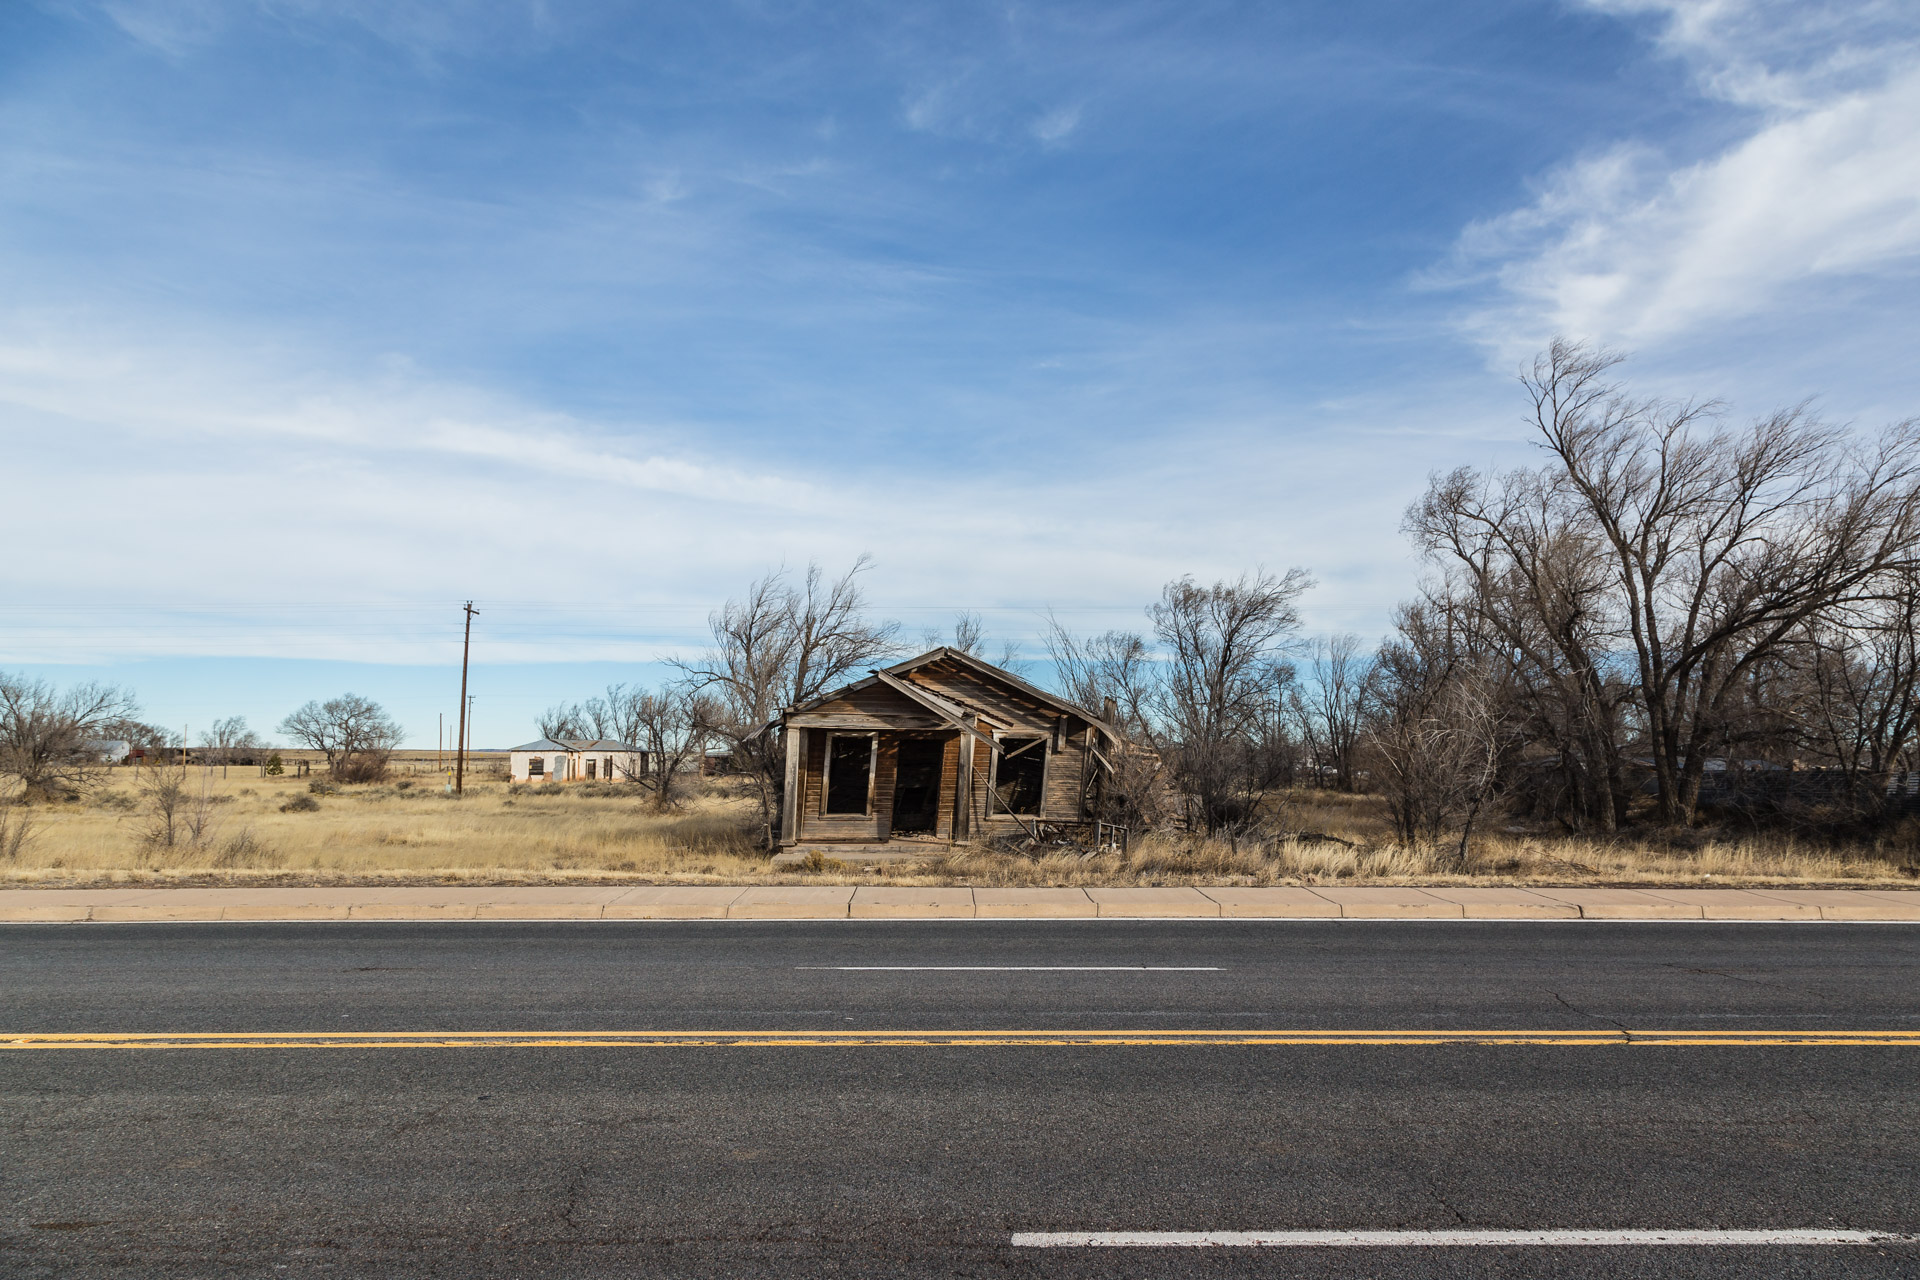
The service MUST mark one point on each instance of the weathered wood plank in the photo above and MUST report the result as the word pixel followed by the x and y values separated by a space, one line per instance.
pixel 856 720
pixel 816 768
pixel 796 747
pixel 1006 708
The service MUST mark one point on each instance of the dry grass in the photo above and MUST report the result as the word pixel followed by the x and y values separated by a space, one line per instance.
pixel 1498 860
pixel 406 830
pixel 411 831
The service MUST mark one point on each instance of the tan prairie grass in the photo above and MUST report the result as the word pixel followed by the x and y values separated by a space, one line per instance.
pixel 397 831
pixel 410 831
pixel 1496 860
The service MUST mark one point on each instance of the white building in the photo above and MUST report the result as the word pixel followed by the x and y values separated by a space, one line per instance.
pixel 576 760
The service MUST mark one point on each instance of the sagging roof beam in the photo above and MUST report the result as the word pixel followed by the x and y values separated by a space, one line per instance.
pixel 938 705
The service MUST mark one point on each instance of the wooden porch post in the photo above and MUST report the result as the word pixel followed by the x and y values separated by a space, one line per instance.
pixel 963 790
pixel 796 744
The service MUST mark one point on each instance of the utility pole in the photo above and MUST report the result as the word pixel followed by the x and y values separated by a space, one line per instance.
pixel 460 757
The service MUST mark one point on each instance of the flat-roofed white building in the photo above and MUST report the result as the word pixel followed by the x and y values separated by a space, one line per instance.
pixel 576 760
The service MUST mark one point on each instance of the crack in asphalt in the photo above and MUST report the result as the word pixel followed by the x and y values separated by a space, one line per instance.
pixel 1718 973
pixel 574 1186
pixel 1594 1017
pixel 1434 1191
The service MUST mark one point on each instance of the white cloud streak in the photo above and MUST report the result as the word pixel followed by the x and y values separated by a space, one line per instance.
pixel 1630 246
pixel 224 494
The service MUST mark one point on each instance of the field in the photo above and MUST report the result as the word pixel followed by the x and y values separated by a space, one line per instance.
pixel 288 829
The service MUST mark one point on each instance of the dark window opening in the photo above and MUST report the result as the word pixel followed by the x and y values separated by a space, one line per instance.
pixel 590 765
pixel 537 767
pixel 849 765
pixel 1020 778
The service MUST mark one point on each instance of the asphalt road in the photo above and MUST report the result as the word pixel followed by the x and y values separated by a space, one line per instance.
pixel 894 1161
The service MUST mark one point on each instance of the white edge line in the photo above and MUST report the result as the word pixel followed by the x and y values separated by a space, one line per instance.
pixel 1446 1238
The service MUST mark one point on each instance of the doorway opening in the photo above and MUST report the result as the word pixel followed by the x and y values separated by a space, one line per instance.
pixel 916 786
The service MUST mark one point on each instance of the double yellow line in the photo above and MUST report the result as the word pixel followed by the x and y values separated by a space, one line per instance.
pixel 925 1039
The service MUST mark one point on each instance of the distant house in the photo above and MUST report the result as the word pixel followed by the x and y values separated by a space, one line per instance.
pixel 576 760
pixel 940 748
pixel 112 750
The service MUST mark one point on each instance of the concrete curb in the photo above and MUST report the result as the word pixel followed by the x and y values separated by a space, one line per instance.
pixel 843 902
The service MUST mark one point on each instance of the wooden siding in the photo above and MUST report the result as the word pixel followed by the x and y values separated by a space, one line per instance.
pixel 884 772
pixel 1065 769
pixel 812 774
pixel 949 786
pixel 874 707
pixel 977 802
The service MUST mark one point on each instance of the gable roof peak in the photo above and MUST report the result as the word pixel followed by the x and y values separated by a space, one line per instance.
pixel 982 667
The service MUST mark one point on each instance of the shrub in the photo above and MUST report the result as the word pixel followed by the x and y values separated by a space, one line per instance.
pixel 605 790
pixel 322 788
pixel 16 829
pixel 301 804
pixel 275 765
pixel 403 785
pixel 244 850
pixel 361 766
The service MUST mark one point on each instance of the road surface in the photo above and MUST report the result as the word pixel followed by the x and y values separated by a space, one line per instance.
pixel 852 1158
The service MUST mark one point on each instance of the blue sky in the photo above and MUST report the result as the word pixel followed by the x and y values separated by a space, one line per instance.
pixel 317 318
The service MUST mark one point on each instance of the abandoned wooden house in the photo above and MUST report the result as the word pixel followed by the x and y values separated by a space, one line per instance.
pixel 940 748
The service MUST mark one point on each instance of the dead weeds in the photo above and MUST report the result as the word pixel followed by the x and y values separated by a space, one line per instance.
pixel 395 835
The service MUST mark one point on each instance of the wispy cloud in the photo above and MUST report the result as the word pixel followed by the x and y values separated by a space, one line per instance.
pixel 1631 245
pixel 220 478
pixel 1056 125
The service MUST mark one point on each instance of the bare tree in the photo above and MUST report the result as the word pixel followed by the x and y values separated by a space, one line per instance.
pixel 1114 675
pixel 560 722
pixel 969 635
pixel 229 740
pixel 1220 643
pixel 1525 566
pixel 970 638
pixel 1438 726
pixel 175 816
pixel 1861 711
pixel 675 726
pixel 139 736
pixel 50 740
pixel 782 644
pixel 353 733
pixel 672 727
pixel 1723 543
pixel 1327 707
pixel 608 717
